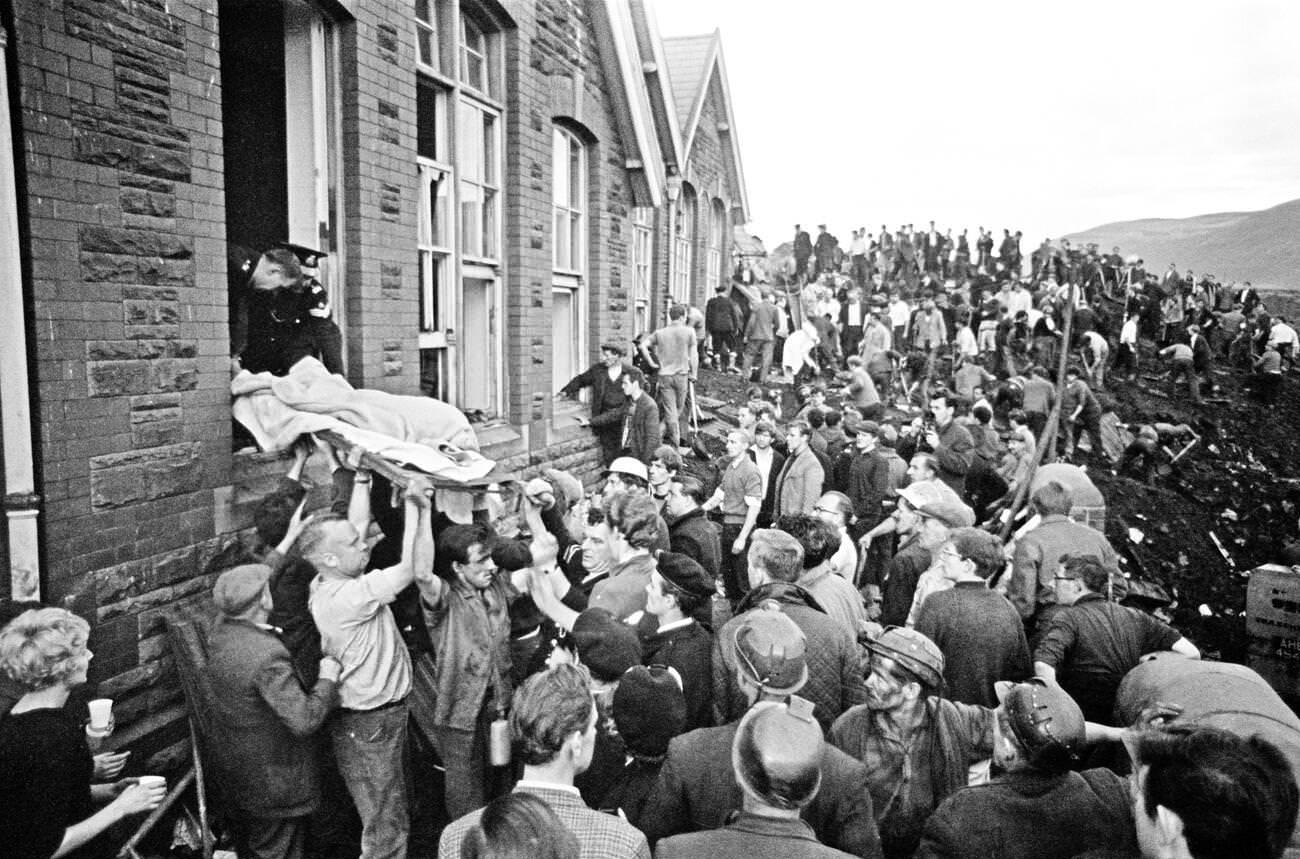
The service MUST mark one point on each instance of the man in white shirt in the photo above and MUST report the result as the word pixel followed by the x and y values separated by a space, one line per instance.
pixel 350 607
pixel 1127 359
pixel 1096 351
pixel 1283 338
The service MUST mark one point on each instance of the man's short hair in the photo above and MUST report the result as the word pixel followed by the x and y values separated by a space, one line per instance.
pixel 888 435
pixel 677 311
pixel 272 515
pixel 1236 796
pixel 982 414
pixel 981 547
pixel 548 709
pixel 803 428
pixel 1053 499
pixel 1088 569
pixel 1018 415
pixel 633 514
pixel 633 374
pixel 691 488
pixel 818 538
pixel 816 419
pixel 776 552
pixel 833 418
pixel 928 460
pixel 766 428
pixel 455 542
pixel 314 533
pixel 668 456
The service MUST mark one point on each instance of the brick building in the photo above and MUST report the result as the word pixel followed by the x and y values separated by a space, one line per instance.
pixel 501 187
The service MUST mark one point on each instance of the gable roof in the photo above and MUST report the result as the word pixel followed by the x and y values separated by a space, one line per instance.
pixel 634 115
pixel 693 63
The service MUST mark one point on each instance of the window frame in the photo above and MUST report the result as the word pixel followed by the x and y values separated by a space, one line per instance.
pixel 643 248
pixel 488 184
pixel 572 211
pixel 428 32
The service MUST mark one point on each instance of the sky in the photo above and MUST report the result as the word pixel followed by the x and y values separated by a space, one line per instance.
pixel 1047 116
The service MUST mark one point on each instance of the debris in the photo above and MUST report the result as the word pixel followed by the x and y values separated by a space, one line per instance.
pixel 1229 514
pixel 1205 610
pixel 1218 544
pixel 1135 535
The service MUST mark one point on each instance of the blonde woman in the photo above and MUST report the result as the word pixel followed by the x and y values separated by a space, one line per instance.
pixel 47 801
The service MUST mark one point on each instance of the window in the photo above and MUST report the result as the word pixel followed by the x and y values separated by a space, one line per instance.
pixel 683 259
pixel 568 194
pixel 642 259
pixel 435 245
pixel 426 35
pixel 474 58
pixel 568 255
pixel 717 227
pixel 478 154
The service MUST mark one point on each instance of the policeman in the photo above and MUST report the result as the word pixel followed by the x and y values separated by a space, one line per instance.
pixel 318 321
pixel 276 336
pixel 1039 807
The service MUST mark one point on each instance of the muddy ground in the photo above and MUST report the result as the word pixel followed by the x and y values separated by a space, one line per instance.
pixel 1241 484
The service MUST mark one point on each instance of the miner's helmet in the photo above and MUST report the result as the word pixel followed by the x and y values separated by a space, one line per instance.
pixel 912 651
pixel 1046 722
pixel 770 650
pixel 777 753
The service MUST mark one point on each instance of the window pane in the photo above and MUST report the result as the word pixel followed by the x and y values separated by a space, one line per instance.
pixel 489 238
pixel 575 241
pixel 469 158
pixel 440 215
pixel 424 11
pixel 561 254
pixel 559 175
pixel 576 183
pixel 471 219
pixel 489 149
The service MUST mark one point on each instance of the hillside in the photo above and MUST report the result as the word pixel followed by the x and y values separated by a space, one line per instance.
pixel 1257 246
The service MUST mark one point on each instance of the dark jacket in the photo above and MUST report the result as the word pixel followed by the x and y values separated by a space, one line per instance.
pixel 607 399
pixel 689 649
pixel 750 836
pixel 1033 815
pixel 765 514
pixel 643 434
pixel 263 757
pixel 697 790
pixel 835 669
pixel 722 316
pixel 693 535
pixel 982 639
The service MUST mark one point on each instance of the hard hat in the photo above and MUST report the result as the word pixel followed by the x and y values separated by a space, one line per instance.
pixel 1045 720
pixel 913 651
pixel 770 650
pixel 777 753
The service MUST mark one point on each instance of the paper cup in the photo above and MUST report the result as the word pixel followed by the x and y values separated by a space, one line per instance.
pixel 152 781
pixel 101 710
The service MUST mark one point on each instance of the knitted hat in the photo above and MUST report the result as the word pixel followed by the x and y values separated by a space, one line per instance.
pixel 649 709
pixel 239 587
pixel 605 646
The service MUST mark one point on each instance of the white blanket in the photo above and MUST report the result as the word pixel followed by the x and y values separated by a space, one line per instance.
pixel 422 432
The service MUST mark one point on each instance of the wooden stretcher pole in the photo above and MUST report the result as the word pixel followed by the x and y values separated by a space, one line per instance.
pixel 387 469
pixel 1053 421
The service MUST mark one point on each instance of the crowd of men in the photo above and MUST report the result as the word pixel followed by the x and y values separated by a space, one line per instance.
pixel 817 652
pixel 618 673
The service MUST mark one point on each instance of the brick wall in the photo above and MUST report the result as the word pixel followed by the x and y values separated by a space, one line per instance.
pixel 122 147
pixel 380 194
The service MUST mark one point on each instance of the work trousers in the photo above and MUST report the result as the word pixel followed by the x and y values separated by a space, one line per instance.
pixel 370 746
pixel 672 406
pixel 468 769
pixel 735 568
pixel 760 351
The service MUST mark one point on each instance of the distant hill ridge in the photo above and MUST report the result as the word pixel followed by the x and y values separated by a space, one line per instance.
pixel 1262 247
